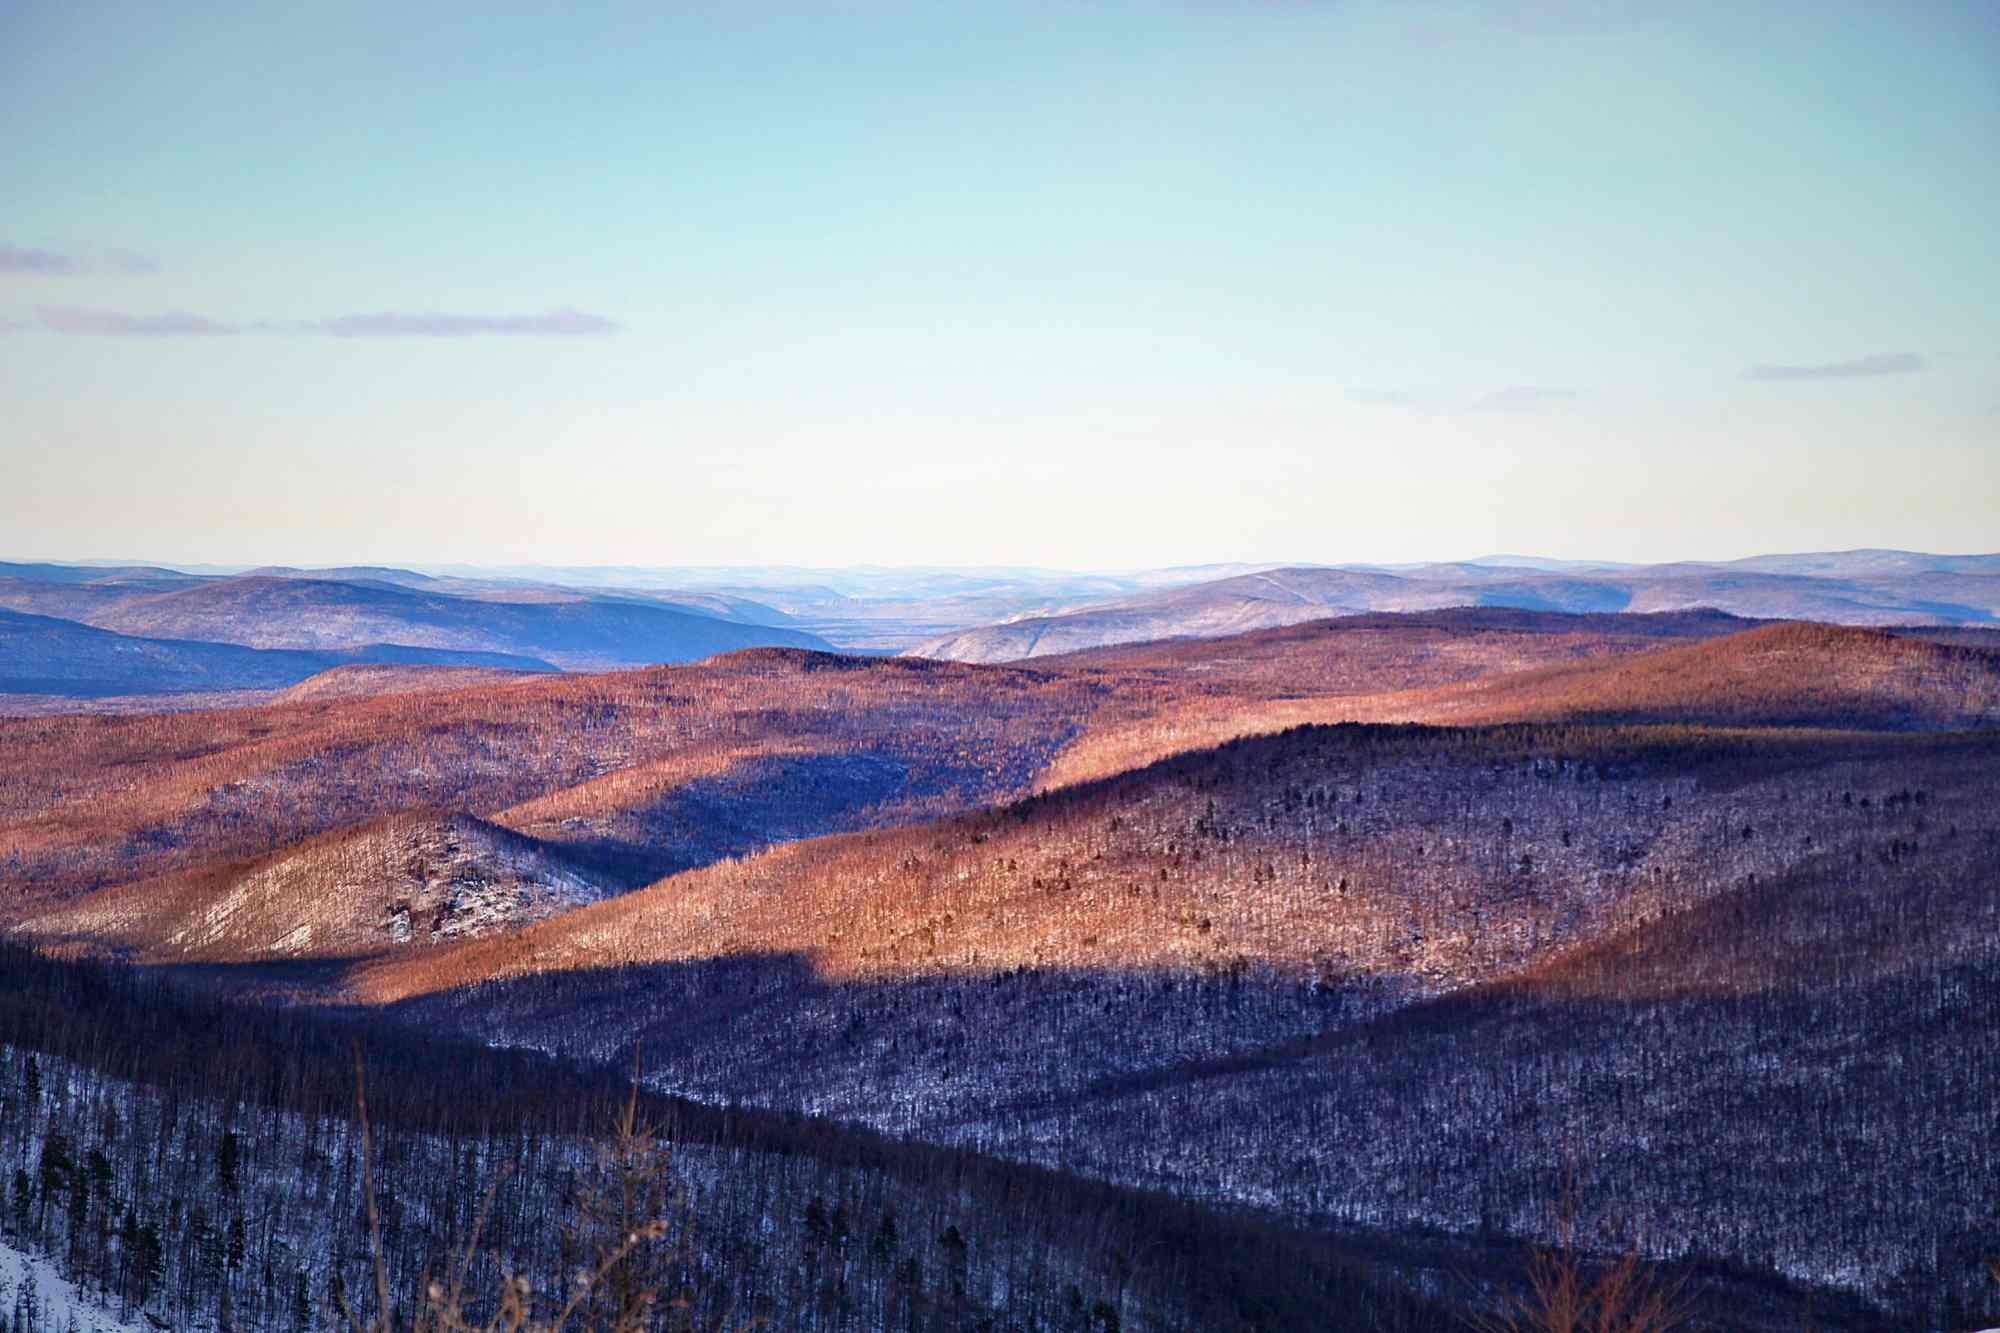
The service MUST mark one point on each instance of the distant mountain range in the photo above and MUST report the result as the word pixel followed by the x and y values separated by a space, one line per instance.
pixel 166 627
pixel 44 655
pixel 83 632
pixel 1852 588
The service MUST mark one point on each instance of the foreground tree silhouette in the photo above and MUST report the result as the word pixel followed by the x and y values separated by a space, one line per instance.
pixel 622 1221
pixel 1569 1292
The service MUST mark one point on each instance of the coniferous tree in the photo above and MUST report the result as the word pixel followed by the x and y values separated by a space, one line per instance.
pixel 228 1159
pixel 883 1246
pixel 24 1198
pixel 148 1261
pixel 54 1173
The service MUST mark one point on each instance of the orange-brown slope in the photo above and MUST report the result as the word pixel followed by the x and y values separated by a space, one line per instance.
pixel 1349 669
pixel 350 681
pixel 1430 857
pixel 91 801
pixel 408 879
pixel 1792 674
pixel 1369 654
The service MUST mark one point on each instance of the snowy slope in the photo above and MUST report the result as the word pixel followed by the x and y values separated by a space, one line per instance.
pixel 35 1298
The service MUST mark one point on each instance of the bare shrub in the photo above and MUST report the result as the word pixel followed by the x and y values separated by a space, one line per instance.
pixel 621 1229
pixel 1572 1292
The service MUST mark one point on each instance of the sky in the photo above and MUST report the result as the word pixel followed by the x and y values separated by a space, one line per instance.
pixel 1085 285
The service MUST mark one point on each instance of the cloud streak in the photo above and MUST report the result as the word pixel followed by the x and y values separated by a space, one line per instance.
pixel 564 323
pixel 1863 367
pixel 121 324
pixel 27 261
pixel 76 320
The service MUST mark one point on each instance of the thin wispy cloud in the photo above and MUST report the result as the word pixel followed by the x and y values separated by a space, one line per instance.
pixel 29 261
pixel 560 323
pixel 123 324
pixel 1863 367
pixel 430 324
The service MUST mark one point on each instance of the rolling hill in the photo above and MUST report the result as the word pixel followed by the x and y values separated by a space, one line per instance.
pixel 1378 652
pixel 644 773
pixel 1205 610
pixel 1778 675
pixel 408 879
pixel 1205 976
pixel 349 681
pixel 347 608
pixel 1862 588
pixel 41 655
pixel 1305 921
pixel 577 633
pixel 88 801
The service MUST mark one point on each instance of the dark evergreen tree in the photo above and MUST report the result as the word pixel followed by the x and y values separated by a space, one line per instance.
pixel 228 1159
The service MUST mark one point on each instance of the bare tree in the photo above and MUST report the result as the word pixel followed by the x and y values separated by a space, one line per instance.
pixel 621 1226
pixel 1570 1292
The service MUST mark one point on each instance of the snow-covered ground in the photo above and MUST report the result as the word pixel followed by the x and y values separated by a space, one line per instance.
pixel 35 1298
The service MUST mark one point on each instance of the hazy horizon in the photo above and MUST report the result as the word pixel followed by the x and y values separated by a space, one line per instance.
pixel 450 566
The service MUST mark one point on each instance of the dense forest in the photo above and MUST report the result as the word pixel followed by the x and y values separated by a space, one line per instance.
pixel 203 1162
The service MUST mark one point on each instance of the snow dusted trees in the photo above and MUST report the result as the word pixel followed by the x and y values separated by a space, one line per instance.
pixel 155 1080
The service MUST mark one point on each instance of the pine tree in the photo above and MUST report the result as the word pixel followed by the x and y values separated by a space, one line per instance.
pixel 55 1170
pixel 79 1210
pixel 148 1261
pixel 883 1245
pixel 24 1196
pixel 128 1245
pixel 953 1245
pixel 228 1158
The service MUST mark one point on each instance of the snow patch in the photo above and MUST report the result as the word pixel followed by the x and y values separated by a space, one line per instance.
pixel 36 1298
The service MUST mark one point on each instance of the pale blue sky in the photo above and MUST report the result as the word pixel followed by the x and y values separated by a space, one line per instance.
pixel 1087 284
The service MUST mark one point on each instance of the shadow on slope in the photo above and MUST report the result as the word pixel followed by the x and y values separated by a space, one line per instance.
pixel 780 1203
pixel 91 801
pixel 1795 1075
pixel 745 804
pixel 1806 1021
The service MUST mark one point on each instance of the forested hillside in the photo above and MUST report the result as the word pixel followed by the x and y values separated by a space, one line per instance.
pixel 1386 942
pixel 1778 675
pixel 212 1174
pixel 91 801
pixel 1138 978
